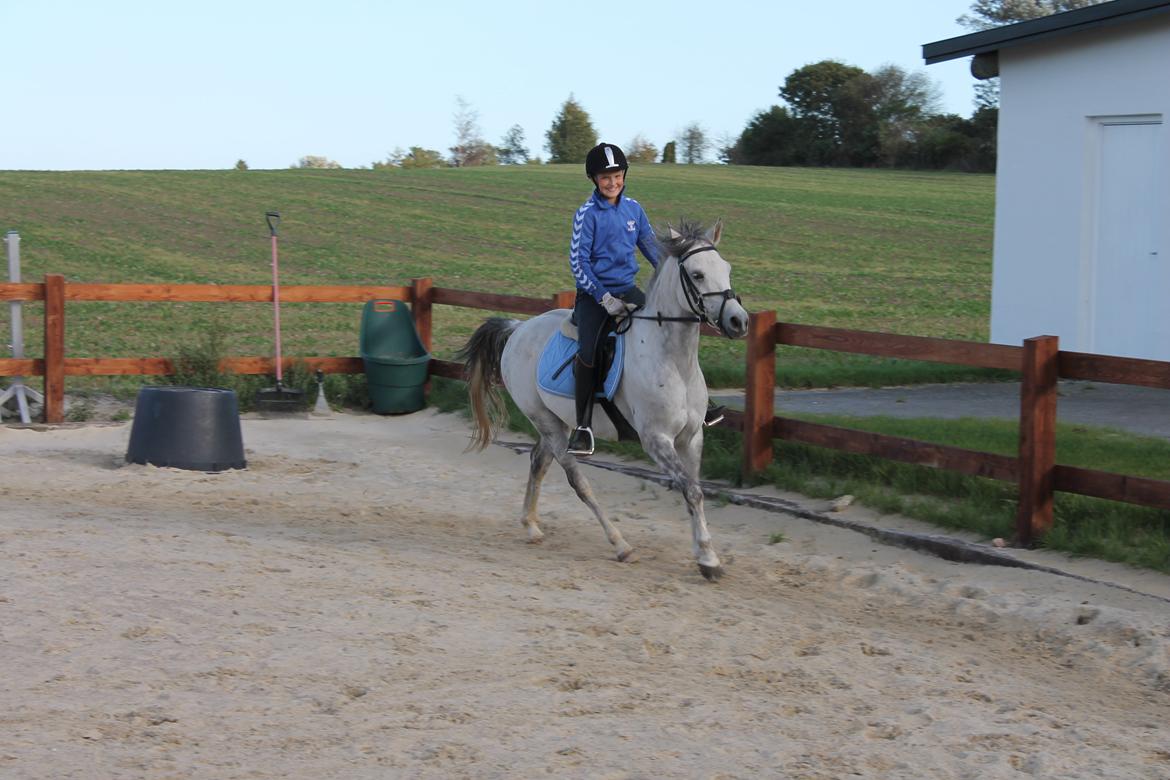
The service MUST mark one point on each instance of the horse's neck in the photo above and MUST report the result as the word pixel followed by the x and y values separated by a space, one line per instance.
pixel 680 340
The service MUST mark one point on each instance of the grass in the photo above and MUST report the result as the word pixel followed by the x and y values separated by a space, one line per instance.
pixel 877 250
pixel 890 251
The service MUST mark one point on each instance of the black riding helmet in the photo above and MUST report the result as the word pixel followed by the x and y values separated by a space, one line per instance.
pixel 604 158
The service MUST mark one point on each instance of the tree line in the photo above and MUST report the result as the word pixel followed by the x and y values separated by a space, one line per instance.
pixel 840 115
pixel 833 114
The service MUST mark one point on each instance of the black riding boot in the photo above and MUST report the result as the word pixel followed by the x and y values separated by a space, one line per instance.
pixel 581 439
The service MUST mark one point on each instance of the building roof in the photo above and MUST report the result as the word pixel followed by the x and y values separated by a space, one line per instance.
pixel 1046 27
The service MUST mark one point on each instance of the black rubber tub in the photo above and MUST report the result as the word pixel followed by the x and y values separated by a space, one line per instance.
pixel 196 428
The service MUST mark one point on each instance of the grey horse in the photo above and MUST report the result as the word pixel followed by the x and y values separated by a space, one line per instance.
pixel 662 393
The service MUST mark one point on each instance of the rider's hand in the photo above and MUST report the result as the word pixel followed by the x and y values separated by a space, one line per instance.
pixel 615 307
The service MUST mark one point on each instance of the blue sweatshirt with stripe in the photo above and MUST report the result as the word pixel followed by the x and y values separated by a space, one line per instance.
pixel 601 252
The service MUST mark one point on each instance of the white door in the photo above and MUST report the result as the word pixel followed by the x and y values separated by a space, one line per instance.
pixel 1128 285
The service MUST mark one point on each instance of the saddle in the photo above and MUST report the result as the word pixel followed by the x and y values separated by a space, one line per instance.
pixel 554 372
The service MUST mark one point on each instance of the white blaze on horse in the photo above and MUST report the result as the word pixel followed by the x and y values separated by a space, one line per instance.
pixel 662 392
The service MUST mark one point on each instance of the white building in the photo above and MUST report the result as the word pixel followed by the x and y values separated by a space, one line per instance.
pixel 1082 197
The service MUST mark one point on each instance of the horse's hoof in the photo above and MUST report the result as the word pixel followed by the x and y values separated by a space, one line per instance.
pixel 629 556
pixel 711 573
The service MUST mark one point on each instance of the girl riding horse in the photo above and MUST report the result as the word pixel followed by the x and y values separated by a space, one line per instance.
pixel 606 230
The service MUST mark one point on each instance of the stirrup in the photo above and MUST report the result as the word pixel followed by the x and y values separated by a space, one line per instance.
pixel 581 441
pixel 714 415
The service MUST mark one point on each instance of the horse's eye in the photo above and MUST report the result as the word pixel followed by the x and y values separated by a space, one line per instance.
pixel 697 276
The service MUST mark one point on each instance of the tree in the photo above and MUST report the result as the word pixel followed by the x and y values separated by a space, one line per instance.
pixel 418 157
pixel 901 101
pixel 571 135
pixel 470 149
pixel 640 150
pixel 668 153
pixel 835 101
pixel 316 161
pixel 241 165
pixel 694 143
pixel 846 116
pixel 986 14
pixel 772 137
pixel 901 96
pixel 512 150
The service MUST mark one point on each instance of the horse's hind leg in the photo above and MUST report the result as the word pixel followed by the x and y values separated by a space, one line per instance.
pixel 580 485
pixel 542 458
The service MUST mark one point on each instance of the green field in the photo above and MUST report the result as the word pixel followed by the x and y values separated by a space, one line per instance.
pixel 887 251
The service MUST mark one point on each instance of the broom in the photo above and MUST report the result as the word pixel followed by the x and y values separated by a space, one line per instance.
pixel 279 398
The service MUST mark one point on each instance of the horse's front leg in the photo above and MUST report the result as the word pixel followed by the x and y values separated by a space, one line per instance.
pixel 683 470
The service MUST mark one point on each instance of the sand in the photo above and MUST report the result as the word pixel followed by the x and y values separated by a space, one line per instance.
pixel 360 603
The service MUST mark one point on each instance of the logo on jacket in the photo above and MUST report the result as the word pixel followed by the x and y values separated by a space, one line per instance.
pixel 631 226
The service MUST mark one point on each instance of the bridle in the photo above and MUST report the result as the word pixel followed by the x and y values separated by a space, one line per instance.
pixel 694 298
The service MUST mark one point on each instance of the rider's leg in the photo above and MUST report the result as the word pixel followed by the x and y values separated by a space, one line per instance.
pixel 585 386
pixel 591 322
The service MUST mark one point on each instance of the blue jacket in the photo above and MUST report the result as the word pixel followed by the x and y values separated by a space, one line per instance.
pixel 601 254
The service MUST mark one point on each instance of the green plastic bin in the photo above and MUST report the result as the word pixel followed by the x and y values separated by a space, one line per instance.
pixel 394 357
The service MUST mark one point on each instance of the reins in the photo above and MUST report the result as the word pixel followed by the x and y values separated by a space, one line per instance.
pixel 693 297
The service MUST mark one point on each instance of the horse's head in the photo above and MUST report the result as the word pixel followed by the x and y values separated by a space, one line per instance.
pixel 704 277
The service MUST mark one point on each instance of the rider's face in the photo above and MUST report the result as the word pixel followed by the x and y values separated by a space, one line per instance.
pixel 610 184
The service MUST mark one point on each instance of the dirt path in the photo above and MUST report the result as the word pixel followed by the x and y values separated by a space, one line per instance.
pixel 360 603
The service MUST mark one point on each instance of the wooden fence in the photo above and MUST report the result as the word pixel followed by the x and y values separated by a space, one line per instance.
pixel 1039 361
pixel 55 292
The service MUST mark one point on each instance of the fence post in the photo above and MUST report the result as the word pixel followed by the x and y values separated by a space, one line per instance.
pixel 421 299
pixel 759 391
pixel 564 300
pixel 54 348
pixel 1037 438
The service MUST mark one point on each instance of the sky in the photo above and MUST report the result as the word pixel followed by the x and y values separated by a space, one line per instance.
pixel 124 84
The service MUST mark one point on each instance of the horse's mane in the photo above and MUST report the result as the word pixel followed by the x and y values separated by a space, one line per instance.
pixel 674 241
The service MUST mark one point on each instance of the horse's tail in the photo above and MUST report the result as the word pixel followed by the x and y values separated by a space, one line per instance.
pixel 481 356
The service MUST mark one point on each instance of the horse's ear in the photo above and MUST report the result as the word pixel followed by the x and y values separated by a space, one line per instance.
pixel 672 233
pixel 715 233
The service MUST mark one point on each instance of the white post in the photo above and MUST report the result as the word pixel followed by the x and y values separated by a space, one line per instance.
pixel 17 387
pixel 13 241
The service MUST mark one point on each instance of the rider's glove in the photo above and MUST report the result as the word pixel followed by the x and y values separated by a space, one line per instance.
pixel 615 307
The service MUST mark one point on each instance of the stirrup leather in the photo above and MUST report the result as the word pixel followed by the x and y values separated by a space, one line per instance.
pixel 581 441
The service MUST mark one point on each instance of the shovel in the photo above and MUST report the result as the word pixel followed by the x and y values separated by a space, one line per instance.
pixel 279 398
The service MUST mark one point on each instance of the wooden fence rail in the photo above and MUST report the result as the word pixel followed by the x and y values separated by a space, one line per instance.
pixel 1038 360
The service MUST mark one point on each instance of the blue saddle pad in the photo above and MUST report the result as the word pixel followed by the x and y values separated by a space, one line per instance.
pixel 558 352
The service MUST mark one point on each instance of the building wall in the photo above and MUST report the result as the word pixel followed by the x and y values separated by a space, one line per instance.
pixel 1054 96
